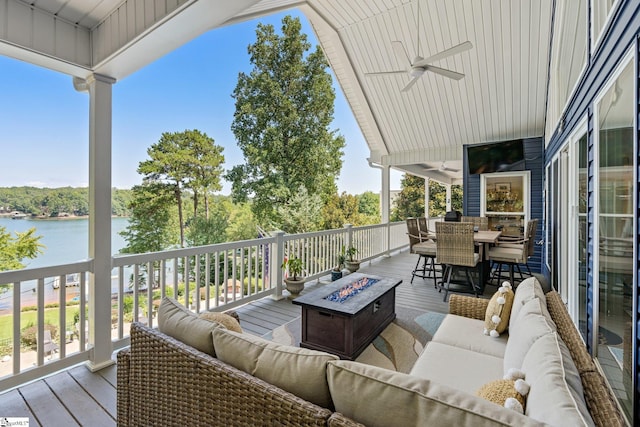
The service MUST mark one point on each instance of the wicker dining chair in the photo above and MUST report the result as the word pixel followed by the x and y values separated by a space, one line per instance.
pixel 426 249
pixel 512 253
pixel 482 222
pixel 455 250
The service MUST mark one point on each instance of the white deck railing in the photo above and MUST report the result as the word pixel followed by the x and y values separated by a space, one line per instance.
pixel 214 277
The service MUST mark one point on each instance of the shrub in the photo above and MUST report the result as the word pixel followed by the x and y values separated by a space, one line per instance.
pixel 29 334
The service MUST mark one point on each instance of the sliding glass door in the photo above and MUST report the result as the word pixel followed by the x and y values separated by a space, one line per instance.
pixel 614 227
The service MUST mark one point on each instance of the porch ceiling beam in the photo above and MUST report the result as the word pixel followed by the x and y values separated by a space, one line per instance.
pixel 441 154
pixel 38 37
pixel 132 36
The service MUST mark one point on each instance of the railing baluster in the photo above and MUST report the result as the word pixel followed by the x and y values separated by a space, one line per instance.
pixel 62 304
pixel 121 302
pixel 16 326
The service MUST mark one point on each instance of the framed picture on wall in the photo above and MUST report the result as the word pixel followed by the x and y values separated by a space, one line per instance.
pixel 503 186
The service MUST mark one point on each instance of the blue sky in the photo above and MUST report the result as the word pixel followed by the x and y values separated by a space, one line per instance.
pixel 44 121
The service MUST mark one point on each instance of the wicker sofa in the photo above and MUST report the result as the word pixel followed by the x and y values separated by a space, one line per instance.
pixel 164 381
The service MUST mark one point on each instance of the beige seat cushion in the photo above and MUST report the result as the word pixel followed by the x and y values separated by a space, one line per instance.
pixel 527 290
pixel 425 248
pixel 378 397
pixel 178 322
pixel 466 333
pixel 553 397
pixel 530 325
pixel 296 370
pixel 464 370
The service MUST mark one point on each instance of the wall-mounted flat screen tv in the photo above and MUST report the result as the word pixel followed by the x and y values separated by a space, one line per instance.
pixel 496 157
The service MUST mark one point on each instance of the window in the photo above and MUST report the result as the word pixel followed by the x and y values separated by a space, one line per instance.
pixel 602 10
pixel 505 200
pixel 569 57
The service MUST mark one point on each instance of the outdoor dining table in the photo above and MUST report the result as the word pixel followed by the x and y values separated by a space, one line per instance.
pixel 483 239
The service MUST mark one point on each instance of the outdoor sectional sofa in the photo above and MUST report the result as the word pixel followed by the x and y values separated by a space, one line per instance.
pixel 166 381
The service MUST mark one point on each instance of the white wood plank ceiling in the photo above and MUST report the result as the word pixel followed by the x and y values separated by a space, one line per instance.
pixel 501 97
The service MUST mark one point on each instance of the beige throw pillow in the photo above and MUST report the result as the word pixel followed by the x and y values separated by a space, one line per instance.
pixel 222 318
pixel 498 312
pixel 299 371
pixel 178 322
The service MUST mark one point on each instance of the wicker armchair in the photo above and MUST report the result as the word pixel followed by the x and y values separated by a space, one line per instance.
pixel 455 249
pixel 482 222
pixel 512 253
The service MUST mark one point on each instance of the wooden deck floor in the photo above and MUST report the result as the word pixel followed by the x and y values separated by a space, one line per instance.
pixel 78 397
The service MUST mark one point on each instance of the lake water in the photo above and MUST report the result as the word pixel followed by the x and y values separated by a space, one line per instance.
pixel 65 241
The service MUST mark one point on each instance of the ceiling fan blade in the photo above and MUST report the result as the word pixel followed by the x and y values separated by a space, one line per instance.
pixel 401 52
pixel 448 169
pixel 376 73
pixel 444 72
pixel 411 83
pixel 445 54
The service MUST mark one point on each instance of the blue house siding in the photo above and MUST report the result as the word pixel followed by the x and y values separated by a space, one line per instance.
pixel 534 162
pixel 621 35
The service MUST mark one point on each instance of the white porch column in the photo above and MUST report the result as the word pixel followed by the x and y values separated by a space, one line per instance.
pixel 385 199
pixel 100 104
pixel 448 196
pixel 426 197
pixel 385 196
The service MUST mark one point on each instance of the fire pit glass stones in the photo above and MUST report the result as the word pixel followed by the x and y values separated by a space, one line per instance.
pixel 351 289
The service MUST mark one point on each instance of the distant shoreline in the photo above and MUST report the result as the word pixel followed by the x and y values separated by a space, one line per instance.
pixel 54 218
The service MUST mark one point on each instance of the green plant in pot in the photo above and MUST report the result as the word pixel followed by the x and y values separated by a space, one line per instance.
pixel 351 262
pixel 294 281
pixel 336 273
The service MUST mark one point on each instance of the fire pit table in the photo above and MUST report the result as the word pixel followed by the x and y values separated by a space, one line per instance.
pixel 344 316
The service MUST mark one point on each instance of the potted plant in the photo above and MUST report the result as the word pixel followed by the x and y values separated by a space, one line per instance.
pixel 294 280
pixel 351 262
pixel 336 273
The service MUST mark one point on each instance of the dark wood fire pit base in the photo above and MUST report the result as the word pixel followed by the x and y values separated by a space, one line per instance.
pixel 346 328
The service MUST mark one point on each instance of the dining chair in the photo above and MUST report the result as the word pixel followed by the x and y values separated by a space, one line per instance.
pixel 455 250
pixel 512 253
pixel 482 222
pixel 423 227
pixel 426 249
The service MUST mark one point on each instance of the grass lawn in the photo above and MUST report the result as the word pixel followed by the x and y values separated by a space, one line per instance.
pixel 31 318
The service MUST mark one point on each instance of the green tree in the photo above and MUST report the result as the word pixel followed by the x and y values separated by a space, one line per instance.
pixel 152 225
pixel 284 108
pixel 341 210
pixel 15 249
pixel 184 160
pixel 301 213
pixel 242 223
pixel 369 207
pixel 410 201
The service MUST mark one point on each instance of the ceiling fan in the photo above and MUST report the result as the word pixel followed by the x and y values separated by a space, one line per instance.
pixel 420 65
pixel 443 168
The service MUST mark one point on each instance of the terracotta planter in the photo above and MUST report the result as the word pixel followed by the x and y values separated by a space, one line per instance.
pixel 294 287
